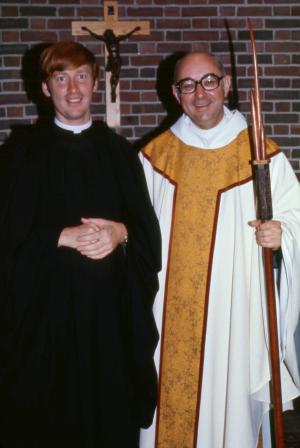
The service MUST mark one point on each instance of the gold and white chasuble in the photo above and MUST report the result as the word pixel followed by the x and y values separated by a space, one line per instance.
pixel 212 357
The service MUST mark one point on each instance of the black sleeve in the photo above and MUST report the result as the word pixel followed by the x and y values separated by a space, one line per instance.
pixel 144 263
pixel 25 247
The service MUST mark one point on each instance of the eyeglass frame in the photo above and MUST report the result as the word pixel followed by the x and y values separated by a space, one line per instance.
pixel 219 78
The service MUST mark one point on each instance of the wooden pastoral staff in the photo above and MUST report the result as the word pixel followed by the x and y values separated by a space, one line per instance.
pixel 111 32
pixel 265 213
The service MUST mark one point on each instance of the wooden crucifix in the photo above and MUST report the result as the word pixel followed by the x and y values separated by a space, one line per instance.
pixel 111 32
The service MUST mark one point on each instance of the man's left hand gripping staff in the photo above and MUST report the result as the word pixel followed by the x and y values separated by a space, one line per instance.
pixel 268 233
pixel 94 238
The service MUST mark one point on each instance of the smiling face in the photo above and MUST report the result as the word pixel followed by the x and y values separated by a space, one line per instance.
pixel 71 91
pixel 205 108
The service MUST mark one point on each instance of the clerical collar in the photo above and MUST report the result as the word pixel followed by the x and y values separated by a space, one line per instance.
pixel 229 127
pixel 76 129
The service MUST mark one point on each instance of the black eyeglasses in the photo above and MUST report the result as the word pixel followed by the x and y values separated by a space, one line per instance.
pixel 208 82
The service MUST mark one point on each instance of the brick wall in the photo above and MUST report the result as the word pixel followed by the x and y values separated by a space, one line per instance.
pixel 218 26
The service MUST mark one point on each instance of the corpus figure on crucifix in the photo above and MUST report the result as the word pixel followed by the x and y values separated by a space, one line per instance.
pixel 114 61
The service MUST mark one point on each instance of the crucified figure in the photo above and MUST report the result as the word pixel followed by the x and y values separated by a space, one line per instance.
pixel 114 62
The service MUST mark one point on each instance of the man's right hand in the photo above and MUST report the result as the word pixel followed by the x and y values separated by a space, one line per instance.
pixel 69 236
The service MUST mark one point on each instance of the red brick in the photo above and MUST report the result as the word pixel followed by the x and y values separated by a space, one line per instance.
pixel 13 98
pixel 173 23
pixel 35 36
pixel 286 47
pixel 295 165
pixel 153 36
pixel 282 107
pixel 125 84
pixel 199 12
pixel 200 46
pixel 288 142
pixel 282 83
pixel 15 111
pixel 296 35
pixel 148 120
pixel 10 36
pixel 167 48
pixel 281 129
pixel 149 97
pixel 59 24
pixel 174 36
pixel 10 74
pixel 146 60
pixel 66 12
pixel 125 109
pixel 11 86
pixel 172 11
pixel 13 23
pixel 227 11
pixel 200 35
pixel 295 129
pixel 282 71
pixel 167 2
pixel 200 23
pixel 282 35
pixel 283 23
pixel 9 11
pixel 58 2
pixel 282 59
pixel 283 11
pixel 41 11
pixel 254 11
pixel 38 24
pixel 131 120
pixel 147 48
pixel 12 61
pixel 130 97
pixel 95 13
pixel 88 2
pixel 145 12
pixel 141 84
pixel 67 35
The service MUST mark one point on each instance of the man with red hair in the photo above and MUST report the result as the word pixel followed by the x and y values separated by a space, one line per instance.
pixel 80 252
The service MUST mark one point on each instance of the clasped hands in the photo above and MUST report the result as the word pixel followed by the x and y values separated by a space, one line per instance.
pixel 94 238
pixel 268 233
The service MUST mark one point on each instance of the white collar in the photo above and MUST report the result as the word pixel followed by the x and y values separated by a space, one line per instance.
pixel 229 127
pixel 76 129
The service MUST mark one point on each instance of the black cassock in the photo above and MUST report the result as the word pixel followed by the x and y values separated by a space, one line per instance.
pixel 77 336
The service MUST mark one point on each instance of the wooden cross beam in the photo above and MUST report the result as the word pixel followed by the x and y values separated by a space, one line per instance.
pixel 119 28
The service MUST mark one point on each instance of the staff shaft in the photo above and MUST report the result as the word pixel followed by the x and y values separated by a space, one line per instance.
pixel 264 212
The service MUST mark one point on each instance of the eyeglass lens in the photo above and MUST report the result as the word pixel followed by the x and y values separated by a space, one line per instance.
pixel 208 82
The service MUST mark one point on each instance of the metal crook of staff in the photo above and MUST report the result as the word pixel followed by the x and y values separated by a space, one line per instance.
pixel 264 212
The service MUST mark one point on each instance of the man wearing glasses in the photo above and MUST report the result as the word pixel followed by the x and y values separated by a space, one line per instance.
pixel 210 310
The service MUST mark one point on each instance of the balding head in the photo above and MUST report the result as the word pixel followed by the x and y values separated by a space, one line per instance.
pixel 197 57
